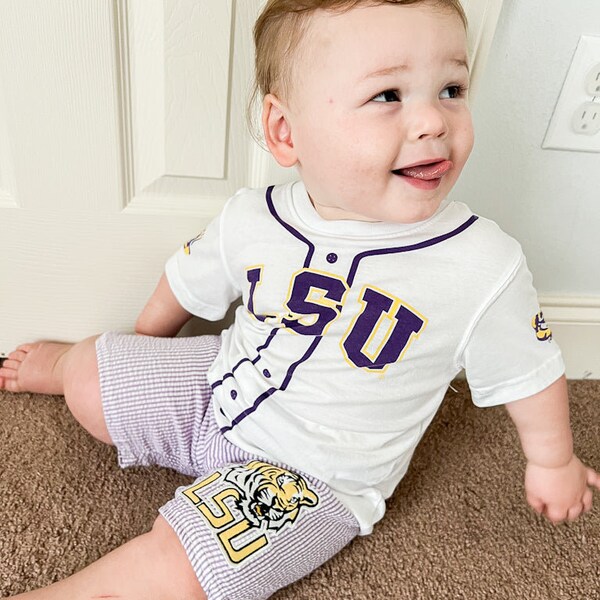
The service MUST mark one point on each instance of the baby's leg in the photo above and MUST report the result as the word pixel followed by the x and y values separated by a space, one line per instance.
pixel 67 369
pixel 151 566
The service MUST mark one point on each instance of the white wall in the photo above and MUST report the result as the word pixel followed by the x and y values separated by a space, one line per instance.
pixel 548 199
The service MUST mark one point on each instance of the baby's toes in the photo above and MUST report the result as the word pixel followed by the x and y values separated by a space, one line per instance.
pixel 9 384
pixel 11 366
pixel 25 347
pixel 4 380
pixel 17 355
pixel 9 375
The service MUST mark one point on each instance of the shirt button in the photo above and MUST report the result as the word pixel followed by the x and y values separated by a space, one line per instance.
pixel 267 373
pixel 233 394
pixel 332 257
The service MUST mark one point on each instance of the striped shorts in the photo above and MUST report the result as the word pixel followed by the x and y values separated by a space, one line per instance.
pixel 250 526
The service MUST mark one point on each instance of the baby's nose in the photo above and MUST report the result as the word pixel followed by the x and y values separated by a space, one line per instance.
pixel 427 121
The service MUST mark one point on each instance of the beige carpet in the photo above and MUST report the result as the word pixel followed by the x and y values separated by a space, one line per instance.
pixel 457 526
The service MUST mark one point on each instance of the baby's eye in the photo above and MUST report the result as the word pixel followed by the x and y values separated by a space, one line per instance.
pixel 387 96
pixel 453 91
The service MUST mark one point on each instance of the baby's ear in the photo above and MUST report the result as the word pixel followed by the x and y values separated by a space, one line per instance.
pixel 278 132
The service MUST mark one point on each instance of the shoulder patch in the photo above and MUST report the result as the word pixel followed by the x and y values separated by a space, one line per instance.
pixel 187 247
pixel 542 331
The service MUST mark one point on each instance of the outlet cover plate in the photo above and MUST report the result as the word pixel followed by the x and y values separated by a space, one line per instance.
pixel 560 134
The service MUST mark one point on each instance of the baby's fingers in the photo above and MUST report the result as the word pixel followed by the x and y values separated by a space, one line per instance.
pixel 587 500
pixel 537 504
pixel 556 515
pixel 575 511
pixel 593 478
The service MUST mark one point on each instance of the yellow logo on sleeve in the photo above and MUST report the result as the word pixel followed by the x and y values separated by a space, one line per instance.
pixel 187 247
pixel 542 331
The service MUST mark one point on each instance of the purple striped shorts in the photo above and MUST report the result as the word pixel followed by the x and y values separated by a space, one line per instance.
pixel 250 526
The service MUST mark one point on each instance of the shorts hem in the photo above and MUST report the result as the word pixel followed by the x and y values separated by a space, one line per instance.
pixel 126 457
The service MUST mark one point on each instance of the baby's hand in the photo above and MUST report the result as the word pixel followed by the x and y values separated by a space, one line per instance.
pixel 561 493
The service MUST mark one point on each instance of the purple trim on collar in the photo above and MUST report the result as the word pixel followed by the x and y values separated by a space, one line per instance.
pixel 292 230
pixel 419 246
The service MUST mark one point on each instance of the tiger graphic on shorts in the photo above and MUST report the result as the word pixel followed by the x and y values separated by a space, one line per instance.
pixel 272 497
pixel 246 506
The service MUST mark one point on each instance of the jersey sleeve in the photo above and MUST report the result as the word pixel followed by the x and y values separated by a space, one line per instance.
pixel 199 276
pixel 510 353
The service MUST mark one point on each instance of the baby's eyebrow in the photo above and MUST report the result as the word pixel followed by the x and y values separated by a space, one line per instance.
pixel 387 71
pixel 459 62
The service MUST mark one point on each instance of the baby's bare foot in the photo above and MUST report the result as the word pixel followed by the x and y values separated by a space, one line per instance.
pixel 34 368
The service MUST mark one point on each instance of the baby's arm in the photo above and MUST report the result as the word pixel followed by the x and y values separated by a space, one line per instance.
pixel 556 482
pixel 162 316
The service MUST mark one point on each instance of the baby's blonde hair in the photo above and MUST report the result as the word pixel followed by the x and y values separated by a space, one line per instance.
pixel 279 30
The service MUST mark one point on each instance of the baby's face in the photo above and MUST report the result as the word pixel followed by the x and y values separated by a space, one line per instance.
pixel 378 90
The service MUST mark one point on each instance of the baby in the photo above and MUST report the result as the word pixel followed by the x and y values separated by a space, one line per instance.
pixel 365 292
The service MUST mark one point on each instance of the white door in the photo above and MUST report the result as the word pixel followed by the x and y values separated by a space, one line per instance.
pixel 122 132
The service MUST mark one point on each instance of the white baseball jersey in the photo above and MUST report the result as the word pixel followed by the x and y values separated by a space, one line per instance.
pixel 350 332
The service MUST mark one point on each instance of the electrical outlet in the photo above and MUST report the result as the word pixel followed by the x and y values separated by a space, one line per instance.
pixel 592 83
pixel 575 124
pixel 586 119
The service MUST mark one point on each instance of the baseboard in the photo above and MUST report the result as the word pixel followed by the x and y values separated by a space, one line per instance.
pixel 575 324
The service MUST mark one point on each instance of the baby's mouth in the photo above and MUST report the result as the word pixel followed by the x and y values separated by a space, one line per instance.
pixel 426 170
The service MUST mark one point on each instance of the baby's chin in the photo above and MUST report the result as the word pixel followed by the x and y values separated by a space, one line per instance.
pixel 402 212
pixel 409 216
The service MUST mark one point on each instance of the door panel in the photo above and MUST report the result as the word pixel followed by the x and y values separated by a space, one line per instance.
pixel 122 132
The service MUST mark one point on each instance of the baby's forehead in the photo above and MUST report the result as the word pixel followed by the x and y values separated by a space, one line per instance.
pixel 364 34
pixel 324 29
